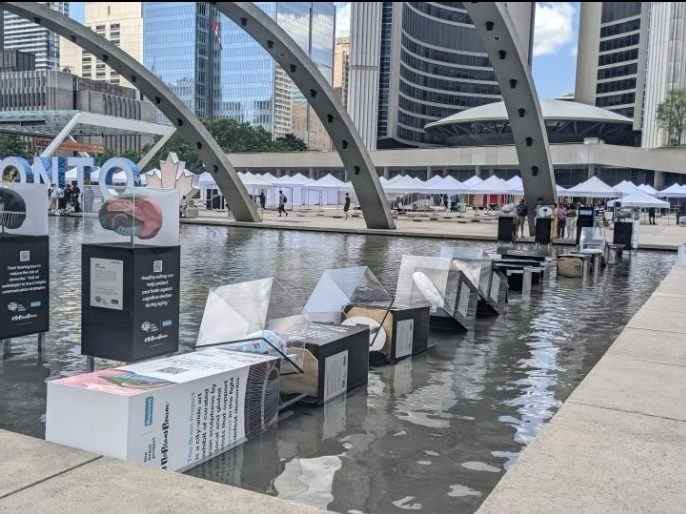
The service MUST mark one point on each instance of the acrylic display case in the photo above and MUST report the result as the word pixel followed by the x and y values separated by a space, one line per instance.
pixel 24 260
pixel 130 276
pixel 318 361
pixel 439 282
pixel 354 296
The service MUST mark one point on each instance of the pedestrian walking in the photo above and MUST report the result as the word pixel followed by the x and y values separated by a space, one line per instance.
pixel 346 206
pixel 283 200
pixel 561 215
pixel 522 212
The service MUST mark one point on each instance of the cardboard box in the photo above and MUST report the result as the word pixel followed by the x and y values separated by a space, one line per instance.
pixel 405 328
pixel 171 413
pixel 335 359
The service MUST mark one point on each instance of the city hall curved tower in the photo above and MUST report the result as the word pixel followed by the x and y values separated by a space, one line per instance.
pixel 421 61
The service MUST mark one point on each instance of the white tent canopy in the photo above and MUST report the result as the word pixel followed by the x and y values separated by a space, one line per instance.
pixel 646 188
pixel 673 191
pixel 592 188
pixel 492 185
pixel 640 200
pixel 625 188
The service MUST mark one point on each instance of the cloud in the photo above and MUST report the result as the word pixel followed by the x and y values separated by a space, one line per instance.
pixel 342 19
pixel 554 26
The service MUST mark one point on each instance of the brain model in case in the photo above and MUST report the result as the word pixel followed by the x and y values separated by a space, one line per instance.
pixel 129 216
pixel 12 209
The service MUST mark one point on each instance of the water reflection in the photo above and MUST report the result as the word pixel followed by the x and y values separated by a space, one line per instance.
pixel 433 434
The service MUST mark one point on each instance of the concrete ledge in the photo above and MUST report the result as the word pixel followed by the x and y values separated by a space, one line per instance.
pixel 619 442
pixel 392 233
pixel 37 476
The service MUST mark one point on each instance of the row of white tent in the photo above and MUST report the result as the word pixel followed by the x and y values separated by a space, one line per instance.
pixel 330 190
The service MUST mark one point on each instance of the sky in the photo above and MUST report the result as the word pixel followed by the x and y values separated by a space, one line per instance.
pixel 555 39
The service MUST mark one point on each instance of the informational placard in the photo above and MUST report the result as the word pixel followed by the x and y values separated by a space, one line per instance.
pixel 24 285
pixel 107 283
pixel 170 413
pixel 335 375
pixel 130 301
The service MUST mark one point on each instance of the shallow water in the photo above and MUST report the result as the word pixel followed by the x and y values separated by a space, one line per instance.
pixel 433 434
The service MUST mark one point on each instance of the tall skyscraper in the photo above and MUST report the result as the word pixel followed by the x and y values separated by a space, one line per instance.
pixel 341 69
pixel 630 55
pixel 665 66
pixel 413 63
pixel 611 56
pixel 24 35
pixel 181 46
pixel 256 90
pixel 119 22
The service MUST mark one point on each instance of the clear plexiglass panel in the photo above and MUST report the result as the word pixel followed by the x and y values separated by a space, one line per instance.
pixel 129 215
pixel 426 280
pixel 474 263
pixel 338 288
pixel 23 209
pixel 240 317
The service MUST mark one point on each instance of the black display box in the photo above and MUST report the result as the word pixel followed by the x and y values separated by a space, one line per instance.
pixel 24 285
pixel 129 301
pixel 461 304
pixel 506 229
pixel 335 361
pixel 543 230
pixel 623 233
pixel 407 327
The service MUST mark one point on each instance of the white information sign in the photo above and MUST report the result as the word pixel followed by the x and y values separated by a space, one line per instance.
pixel 335 375
pixel 107 283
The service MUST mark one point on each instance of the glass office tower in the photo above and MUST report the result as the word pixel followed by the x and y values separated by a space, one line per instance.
pixel 181 46
pixel 256 90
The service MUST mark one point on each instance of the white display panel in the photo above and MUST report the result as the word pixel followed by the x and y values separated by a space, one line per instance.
pixel 130 215
pixel 23 209
pixel 170 413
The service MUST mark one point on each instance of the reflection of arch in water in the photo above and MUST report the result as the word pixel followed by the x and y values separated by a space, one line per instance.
pixel 498 36
pixel 300 68
pixel 184 120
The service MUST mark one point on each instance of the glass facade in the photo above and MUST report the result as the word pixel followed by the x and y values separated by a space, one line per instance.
pixel 256 90
pixel 620 38
pixel 181 47
pixel 442 69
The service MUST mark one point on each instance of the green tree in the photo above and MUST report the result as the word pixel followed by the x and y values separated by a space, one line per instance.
pixel 12 146
pixel 671 116
pixel 234 137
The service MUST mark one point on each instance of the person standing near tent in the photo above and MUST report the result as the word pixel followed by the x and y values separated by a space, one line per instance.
pixel 522 212
pixel 283 200
pixel 651 216
pixel 263 200
pixel 346 206
pixel 561 215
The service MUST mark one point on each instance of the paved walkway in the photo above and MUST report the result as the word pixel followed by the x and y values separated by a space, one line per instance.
pixel 38 476
pixel 618 444
pixel 663 236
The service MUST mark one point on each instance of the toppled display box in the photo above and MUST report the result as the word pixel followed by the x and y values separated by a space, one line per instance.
pixel 318 361
pixel 354 296
pixel 438 281
pixel 171 413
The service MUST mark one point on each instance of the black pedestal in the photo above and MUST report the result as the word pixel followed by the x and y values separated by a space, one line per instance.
pixel 543 227
pixel 623 233
pixel 505 229
pixel 336 360
pixel 24 285
pixel 129 301
pixel 407 328
pixel 584 219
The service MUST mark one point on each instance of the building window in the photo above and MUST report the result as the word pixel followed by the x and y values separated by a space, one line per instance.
pixel 626 55
pixel 617 85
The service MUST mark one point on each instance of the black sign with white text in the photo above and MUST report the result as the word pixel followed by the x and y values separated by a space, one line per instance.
pixel 130 301
pixel 24 285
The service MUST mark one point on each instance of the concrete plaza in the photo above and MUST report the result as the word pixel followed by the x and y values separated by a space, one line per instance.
pixel 666 235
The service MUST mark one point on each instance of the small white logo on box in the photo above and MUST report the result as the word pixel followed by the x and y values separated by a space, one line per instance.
pixel 157 266
pixel 25 256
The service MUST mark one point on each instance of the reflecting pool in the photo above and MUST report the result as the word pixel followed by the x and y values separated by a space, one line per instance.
pixel 433 433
